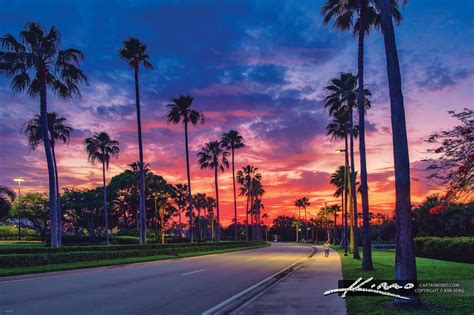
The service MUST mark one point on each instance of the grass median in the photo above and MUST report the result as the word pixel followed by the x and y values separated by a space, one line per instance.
pixel 125 260
pixel 428 270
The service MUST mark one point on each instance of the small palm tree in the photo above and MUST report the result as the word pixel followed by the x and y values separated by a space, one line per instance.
pixel 59 130
pixel 305 204
pixel 265 216
pixel 341 99
pixel 134 53
pixel 245 177
pixel 180 111
pixel 199 201
pixel 210 205
pixel 35 63
pixel 101 147
pixel 181 200
pixel 7 196
pixel 214 156
pixel 232 140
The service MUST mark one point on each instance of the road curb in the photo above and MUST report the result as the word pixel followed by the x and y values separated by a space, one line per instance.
pixel 240 300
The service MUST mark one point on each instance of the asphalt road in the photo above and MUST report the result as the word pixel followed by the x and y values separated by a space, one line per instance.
pixel 180 286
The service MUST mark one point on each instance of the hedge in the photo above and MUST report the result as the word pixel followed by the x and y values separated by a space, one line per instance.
pixel 459 249
pixel 27 260
pixel 47 250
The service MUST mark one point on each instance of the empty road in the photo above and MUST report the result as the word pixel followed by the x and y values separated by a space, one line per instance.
pixel 179 286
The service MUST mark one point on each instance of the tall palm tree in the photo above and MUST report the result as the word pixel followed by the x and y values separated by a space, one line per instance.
pixel 341 100
pixel 134 53
pixel 7 196
pixel 180 111
pixel 214 156
pixel 35 63
pixel 265 216
pixel 59 130
pixel 405 264
pixel 101 147
pixel 245 177
pixel 298 204
pixel 232 140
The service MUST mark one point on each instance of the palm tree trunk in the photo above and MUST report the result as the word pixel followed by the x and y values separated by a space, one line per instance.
pixel 199 224
pixel 106 216
pixel 190 196
pixel 405 264
pixel 217 206
pixel 346 188
pixel 58 210
pixel 354 192
pixel 142 172
pixel 247 212
pixel 180 232
pixel 366 248
pixel 49 160
pixel 235 196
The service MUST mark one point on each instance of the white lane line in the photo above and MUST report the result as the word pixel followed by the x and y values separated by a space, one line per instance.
pixel 191 272
pixel 250 259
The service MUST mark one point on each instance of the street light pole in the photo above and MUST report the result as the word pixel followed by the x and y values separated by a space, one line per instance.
pixel 19 180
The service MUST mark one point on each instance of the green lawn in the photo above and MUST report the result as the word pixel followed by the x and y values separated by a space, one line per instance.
pixel 431 270
pixel 111 262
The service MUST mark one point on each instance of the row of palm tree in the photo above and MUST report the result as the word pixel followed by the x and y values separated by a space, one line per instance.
pixel 361 16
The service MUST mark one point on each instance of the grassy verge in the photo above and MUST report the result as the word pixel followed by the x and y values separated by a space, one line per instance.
pixel 429 270
pixel 112 262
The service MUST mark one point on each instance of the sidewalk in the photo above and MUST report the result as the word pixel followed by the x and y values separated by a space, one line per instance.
pixel 302 291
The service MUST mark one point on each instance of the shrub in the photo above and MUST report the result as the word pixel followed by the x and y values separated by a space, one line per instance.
pixel 459 249
pixel 45 258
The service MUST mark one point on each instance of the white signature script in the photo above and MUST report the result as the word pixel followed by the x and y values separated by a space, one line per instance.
pixel 358 286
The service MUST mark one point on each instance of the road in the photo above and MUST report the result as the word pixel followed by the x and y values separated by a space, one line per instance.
pixel 179 286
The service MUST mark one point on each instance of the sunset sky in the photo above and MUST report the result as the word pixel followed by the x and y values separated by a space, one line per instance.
pixel 259 67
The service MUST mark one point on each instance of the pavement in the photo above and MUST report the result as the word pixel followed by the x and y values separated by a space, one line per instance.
pixel 178 286
pixel 302 291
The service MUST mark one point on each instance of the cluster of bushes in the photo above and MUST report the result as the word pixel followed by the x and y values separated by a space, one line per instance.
pixel 454 249
pixel 9 232
pixel 26 257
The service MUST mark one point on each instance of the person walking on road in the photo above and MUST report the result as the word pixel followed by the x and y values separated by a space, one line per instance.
pixel 326 248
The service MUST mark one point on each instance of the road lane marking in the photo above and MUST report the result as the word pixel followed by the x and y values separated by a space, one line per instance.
pixel 250 259
pixel 191 272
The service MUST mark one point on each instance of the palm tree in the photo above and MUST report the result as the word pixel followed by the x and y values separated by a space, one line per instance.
pixel 180 111
pixel 200 202
pixel 101 147
pixel 35 63
pixel 405 264
pixel 134 53
pixel 232 140
pixel 181 200
pixel 210 205
pixel 304 204
pixel 341 100
pixel 245 177
pixel 298 204
pixel 256 192
pixel 214 156
pixel 7 196
pixel 59 130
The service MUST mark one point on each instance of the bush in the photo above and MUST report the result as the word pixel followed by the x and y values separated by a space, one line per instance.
pixel 102 248
pixel 45 258
pixel 459 249
pixel 10 232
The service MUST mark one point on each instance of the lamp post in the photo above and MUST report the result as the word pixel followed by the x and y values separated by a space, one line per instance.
pixel 19 180
pixel 344 221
